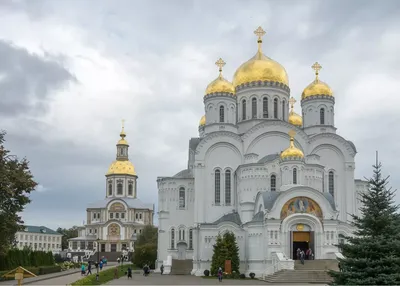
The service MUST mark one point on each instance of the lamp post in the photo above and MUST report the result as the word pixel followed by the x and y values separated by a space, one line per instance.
pixel 133 238
pixel 98 258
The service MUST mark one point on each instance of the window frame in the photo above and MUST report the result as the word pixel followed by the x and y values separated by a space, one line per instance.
pixel 331 183
pixel 294 173
pixel 272 182
pixel 254 108
pixel 221 114
pixel 217 187
pixel 120 189
pixel 322 116
pixel 275 108
pixel 244 104
pixel 228 187
pixel 182 202
pixel 265 107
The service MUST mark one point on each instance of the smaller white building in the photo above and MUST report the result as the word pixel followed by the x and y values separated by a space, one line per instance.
pixel 39 238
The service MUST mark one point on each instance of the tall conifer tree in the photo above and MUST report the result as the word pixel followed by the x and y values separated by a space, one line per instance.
pixel 372 255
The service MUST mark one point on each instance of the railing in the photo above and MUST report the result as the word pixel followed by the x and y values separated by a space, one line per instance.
pixel 279 262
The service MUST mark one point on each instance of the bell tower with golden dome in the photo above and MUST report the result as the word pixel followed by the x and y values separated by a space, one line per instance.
pixel 219 104
pixel 318 106
pixel 121 176
pixel 262 89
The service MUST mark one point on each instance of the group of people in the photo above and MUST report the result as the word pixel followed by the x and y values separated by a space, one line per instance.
pixel 88 270
pixel 301 255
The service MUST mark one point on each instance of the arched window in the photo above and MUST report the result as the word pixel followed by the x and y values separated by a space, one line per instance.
pixel 331 183
pixel 130 190
pixel 228 187
pixel 254 107
pixel 275 108
pixel 244 109
pixel 182 199
pixel 283 109
pixel 181 234
pixel 190 238
pixel 221 114
pixel 119 189
pixel 273 183
pixel 322 116
pixel 265 107
pixel 172 238
pixel 110 189
pixel 217 187
pixel 294 175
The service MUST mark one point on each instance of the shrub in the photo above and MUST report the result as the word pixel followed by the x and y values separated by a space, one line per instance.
pixel 242 276
pixel 104 276
pixel 206 272
pixel 252 275
pixel 49 269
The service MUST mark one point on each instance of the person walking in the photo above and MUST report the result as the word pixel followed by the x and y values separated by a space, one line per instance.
pixel 101 265
pixel 298 253
pixel 302 255
pixel 89 269
pixel 83 270
pixel 162 269
pixel 129 272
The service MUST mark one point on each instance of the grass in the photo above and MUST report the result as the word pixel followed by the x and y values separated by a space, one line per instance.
pixel 104 275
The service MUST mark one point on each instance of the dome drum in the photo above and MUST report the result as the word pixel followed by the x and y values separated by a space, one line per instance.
pixel 318 96
pixel 271 84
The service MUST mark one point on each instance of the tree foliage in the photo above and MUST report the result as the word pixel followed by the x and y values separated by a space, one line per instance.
pixel 146 247
pixel 25 257
pixel 67 234
pixel 16 183
pixel 225 248
pixel 372 255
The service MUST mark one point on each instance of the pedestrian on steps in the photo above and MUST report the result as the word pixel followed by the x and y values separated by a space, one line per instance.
pixel 302 255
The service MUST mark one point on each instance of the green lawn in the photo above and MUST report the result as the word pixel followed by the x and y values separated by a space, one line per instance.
pixel 104 275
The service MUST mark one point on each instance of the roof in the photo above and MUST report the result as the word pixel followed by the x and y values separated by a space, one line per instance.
pixel 132 203
pixel 193 143
pixel 268 158
pixel 39 229
pixel 184 174
pixel 231 217
pixel 258 217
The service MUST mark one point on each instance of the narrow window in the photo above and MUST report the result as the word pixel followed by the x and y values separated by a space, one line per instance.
pixel 119 189
pixel 221 114
pixel 123 215
pixel 190 238
pixel 217 187
pixel 265 107
pixel 273 183
pixel 137 216
pixel 254 107
pixel 182 198
pixel 110 189
pixel 294 176
pixel 116 215
pixel 140 216
pixel 228 187
pixel 283 109
pixel 130 190
pixel 172 238
pixel 275 108
pixel 322 116
pixel 244 109
pixel 331 183
pixel 111 215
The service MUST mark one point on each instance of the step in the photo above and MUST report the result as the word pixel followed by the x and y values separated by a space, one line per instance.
pixel 299 276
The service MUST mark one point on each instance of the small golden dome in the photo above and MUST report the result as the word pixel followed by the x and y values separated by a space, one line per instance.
pixel 292 151
pixel 202 121
pixel 260 68
pixel 122 141
pixel 220 84
pixel 294 118
pixel 121 168
pixel 317 87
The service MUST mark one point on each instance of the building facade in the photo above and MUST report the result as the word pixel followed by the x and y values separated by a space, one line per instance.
pixel 39 238
pixel 279 181
pixel 114 221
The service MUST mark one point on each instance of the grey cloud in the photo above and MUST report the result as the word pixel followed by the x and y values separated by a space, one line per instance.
pixel 27 80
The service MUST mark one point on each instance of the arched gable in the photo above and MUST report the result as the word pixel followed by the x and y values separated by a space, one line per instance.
pixel 219 138
pixel 328 211
pixel 117 200
pixel 335 142
pixel 259 201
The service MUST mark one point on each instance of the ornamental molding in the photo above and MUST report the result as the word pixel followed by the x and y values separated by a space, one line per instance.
pixel 336 138
pixel 219 94
pixel 217 134
pixel 260 83
pixel 318 96
pixel 271 123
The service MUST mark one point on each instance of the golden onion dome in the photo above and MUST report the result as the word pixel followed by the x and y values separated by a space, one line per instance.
pixel 202 121
pixel 260 68
pixel 121 168
pixel 294 118
pixel 292 151
pixel 220 84
pixel 317 87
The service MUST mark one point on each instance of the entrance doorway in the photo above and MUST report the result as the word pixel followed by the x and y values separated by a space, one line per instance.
pixel 103 247
pixel 302 240
pixel 113 247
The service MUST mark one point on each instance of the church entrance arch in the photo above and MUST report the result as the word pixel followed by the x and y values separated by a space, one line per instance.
pixel 182 246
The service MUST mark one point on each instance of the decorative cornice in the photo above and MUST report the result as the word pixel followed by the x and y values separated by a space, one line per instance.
pixel 263 84
pixel 319 96
pixel 219 94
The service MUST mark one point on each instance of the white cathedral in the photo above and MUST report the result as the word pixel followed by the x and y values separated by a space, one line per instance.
pixel 279 181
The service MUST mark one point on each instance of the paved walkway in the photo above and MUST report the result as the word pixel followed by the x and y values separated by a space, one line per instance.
pixel 157 279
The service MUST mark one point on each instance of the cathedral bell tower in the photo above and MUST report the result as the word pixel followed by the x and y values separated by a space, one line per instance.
pixel 121 176
pixel 318 106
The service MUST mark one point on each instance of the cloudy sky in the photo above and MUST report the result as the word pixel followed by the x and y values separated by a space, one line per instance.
pixel 71 70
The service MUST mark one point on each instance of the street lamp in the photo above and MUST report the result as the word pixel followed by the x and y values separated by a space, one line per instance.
pixel 98 258
pixel 133 238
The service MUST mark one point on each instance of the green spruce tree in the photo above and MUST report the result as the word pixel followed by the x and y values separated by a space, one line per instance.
pixel 225 248
pixel 217 258
pixel 372 255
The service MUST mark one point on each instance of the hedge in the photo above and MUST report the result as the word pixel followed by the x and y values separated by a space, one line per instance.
pixel 104 275
pixel 36 270
pixel 25 258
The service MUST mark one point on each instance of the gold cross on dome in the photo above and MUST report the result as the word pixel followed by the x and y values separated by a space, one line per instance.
pixel 317 67
pixel 292 133
pixel 259 32
pixel 220 63
pixel 123 123
pixel 292 101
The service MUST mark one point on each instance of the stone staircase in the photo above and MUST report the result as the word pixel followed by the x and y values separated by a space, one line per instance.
pixel 313 271
pixel 181 267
